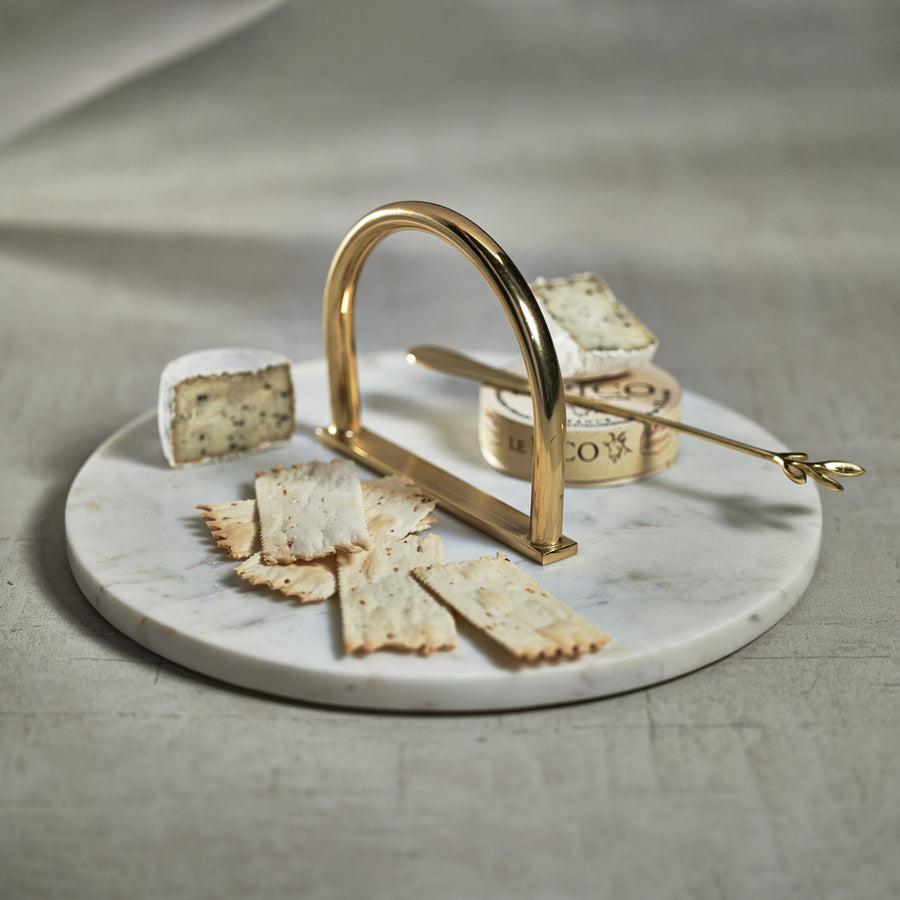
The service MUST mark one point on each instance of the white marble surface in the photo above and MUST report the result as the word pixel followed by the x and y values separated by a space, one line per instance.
pixel 680 570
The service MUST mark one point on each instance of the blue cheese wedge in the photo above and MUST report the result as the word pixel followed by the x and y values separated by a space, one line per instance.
pixel 223 403
pixel 595 335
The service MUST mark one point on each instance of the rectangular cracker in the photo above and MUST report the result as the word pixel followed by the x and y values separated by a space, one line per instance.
pixel 383 606
pixel 310 510
pixel 304 581
pixel 510 607
pixel 235 526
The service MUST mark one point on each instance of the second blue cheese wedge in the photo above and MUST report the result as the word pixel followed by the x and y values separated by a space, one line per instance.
pixel 595 335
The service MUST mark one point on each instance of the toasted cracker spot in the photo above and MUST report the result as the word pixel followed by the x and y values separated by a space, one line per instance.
pixel 310 510
pixel 383 606
pixel 304 581
pixel 395 506
pixel 510 607
pixel 234 525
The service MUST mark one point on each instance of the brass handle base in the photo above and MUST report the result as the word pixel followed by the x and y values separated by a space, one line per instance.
pixel 495 518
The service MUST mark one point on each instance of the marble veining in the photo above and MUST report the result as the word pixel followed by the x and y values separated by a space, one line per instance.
pixel 681 569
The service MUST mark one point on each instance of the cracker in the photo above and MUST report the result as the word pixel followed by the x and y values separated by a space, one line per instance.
pixel 234 525
pixel 383 606
pixel 504 602
pixel 304 581
pixel 395 507
pixel 310 510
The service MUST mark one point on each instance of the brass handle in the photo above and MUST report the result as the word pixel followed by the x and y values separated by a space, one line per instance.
pixel 544 379
pixel 795 465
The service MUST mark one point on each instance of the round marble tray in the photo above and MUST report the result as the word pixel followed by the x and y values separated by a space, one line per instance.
pixel 681 569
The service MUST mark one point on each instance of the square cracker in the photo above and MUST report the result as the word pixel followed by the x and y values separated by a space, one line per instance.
pixel 310 510
pixel 235 526
pixel 509 606
pixel 382 605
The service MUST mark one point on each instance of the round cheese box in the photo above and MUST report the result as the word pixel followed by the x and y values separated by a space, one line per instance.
pixel 600 448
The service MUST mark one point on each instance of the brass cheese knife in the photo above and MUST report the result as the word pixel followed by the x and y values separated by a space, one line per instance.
pixel 796 466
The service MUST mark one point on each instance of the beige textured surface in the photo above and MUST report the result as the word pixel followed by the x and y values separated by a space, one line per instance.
pixel 733 171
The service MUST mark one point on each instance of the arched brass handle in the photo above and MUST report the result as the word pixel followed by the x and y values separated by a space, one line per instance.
pixel 539 535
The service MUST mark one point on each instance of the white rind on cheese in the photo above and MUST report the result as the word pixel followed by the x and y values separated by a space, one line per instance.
pixel 224 402
pixel 594 334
